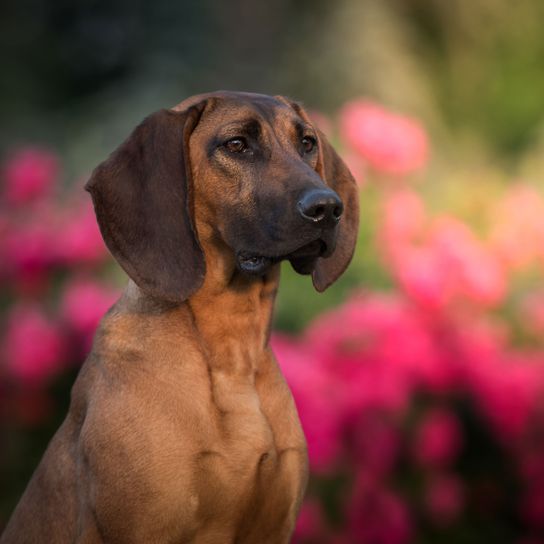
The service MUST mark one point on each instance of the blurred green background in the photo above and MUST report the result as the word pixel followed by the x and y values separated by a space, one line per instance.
pixel 80 74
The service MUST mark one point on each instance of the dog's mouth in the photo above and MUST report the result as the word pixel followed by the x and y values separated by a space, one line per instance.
pixel 302 259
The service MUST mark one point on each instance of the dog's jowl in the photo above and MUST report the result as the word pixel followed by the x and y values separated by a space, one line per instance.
pixel 181 427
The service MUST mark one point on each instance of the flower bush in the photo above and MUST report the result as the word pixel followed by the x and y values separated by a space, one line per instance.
pixel 423 405
pixel 53 283
pixel 421 395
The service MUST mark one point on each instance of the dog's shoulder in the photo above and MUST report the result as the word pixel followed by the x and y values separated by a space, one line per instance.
pixel 142 372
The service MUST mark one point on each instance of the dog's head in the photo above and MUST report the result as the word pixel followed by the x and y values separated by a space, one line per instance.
pixel 251 168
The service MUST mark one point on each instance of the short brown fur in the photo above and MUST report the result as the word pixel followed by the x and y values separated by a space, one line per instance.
pixel 181 427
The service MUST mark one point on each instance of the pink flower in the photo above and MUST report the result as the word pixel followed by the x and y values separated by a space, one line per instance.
pixel 310 524
pixel 508 391
pixel 422 275
pixel 352 345
pixel 378 516
pixel 35 348
pixel 444 499
pixel 438 438
pixel 442 263
pixel 79 240
pixel 29 174
pixel 84 303
pixel 474 270
pixel 29 249
pixel 392 144
pixel 376 444
pixel 316 400
pixel 404 219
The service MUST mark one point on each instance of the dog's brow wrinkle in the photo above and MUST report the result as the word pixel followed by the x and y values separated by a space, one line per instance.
pixel 251 127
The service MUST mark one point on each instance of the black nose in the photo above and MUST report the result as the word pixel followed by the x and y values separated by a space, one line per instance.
pixel 321 207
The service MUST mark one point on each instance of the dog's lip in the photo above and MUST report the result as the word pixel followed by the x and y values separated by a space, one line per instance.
pixel 313 249
pixel 257 264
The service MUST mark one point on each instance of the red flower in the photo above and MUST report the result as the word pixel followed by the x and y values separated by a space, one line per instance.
pixel 30 174
pixel 79 240
pixel 378 516
pixel 317 401
pixel 29 248
pixel 35 348
pixel 310 524
pixel 438 438
pixel 84 303
pixel 392 144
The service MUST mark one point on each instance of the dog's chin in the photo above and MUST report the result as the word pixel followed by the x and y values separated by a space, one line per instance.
pixel 302 259
pixel 254 265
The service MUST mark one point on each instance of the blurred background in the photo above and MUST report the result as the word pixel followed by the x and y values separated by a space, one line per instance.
pixel 419 376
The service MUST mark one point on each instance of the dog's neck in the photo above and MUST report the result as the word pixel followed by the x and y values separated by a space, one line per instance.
pixel 231 313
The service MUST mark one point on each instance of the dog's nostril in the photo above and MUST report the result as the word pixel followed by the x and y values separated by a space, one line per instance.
pixel 318 212
pixel 322 207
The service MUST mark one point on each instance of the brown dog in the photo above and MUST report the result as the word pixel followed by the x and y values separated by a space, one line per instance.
pixel 181 427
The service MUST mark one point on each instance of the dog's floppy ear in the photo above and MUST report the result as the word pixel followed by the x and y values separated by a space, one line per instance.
pixel 337 176
pixel 142 198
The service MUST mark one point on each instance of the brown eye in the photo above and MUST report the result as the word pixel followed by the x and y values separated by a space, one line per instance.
pixel 236 145
pixel 308 144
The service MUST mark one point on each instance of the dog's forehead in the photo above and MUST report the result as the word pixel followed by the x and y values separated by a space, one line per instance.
pixel 232 105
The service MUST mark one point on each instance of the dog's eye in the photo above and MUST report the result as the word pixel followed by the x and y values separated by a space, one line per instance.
pixel 236 145
pixel 308 144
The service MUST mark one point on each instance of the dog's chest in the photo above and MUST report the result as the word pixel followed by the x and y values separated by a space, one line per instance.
pixel 251 480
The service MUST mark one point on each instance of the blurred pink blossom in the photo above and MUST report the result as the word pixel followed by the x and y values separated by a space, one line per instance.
pixel 29 248
pixel 438 438
pixel 422 275
pixel 34 346
pixel 83 304
pixel 310 522
pixel 376 515
pixel 474 269
pixel 376 443
pixel 391 143
pixel 79 240
pixel 508 391
pixel 438 262
pixel 444 498
pixel 29 174
pixel 404 219
pixel 316 399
